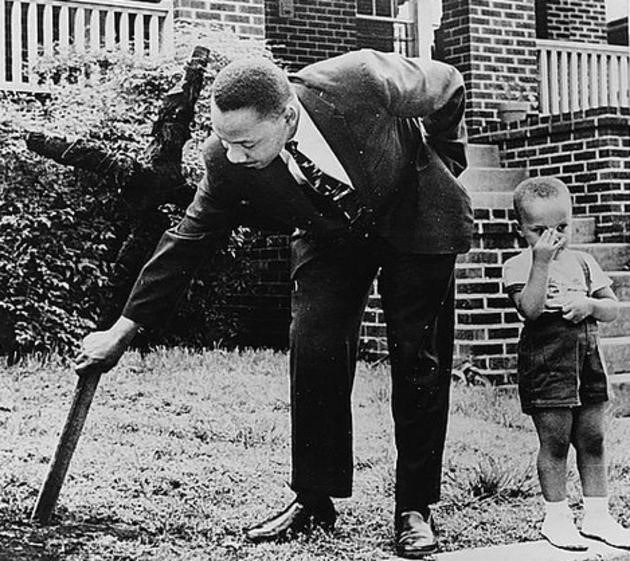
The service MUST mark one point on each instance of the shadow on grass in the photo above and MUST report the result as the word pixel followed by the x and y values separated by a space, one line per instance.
pixel 21 540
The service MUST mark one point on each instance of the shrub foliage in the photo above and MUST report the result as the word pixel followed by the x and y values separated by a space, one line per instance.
pixel 61 228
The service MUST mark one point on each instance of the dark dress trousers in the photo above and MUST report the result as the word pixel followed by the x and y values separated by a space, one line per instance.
pixel 396 126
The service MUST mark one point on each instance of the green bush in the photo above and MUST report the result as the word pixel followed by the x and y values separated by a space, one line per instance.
pixel 61 228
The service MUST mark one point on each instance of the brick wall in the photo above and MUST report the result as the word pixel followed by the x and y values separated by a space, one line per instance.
pixel 493 44
pixel 243 17
pixel 576 20
pixel 588 150
pixel 310 31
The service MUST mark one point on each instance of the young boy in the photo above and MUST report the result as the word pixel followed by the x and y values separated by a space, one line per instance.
pixel 562 294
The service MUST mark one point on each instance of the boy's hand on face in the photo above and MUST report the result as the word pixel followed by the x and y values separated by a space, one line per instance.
pixel 548 245
pixel 576 308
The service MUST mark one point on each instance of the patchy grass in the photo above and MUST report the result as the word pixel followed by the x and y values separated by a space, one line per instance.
pixel 182 450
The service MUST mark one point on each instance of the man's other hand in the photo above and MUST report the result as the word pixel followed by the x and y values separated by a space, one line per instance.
pixel 101 350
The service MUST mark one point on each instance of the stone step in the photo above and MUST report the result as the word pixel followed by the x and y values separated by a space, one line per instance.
pixel 483 155
pixel 584 229
pixel 620 283
pixel 540 550
pixel 491 200
pixel 617 354
pixel 610 256
pixel 489 179
pixel 621 326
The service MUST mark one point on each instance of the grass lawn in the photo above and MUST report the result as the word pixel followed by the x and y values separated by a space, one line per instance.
pixel 182 450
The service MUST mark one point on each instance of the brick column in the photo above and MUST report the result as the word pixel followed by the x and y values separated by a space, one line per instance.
pixel 575 20
pixel 302 31
pixel 243 17
pixel 493 44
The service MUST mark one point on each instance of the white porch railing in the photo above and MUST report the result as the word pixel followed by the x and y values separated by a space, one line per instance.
pixel 30 28
pixel 577 76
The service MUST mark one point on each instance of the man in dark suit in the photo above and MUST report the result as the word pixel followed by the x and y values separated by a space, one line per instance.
pixel 359 153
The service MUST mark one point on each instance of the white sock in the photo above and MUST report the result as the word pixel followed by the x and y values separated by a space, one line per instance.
pixel 599 523
pixel 596 507
pixel 558 527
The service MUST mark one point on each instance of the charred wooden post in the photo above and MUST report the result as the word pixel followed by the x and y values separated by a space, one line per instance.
pixel 144 187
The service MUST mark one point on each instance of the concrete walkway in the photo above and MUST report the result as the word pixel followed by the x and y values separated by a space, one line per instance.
pixel 532 551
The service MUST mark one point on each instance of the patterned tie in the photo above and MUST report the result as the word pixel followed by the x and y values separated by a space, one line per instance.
pixel 322 183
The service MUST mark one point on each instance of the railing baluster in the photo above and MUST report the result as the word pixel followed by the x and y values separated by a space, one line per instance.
pixel 31 41
pixel 554 95
pixel 16 42
pixel 624 91
pixel 593 81
pixel 110 31
pixel 543 92
pixel 564 82
pixel 603 80
pixel 95 29
pixel 3 68
pixel 138 39
pixel 574 85
pixel 613 92
pixel 124 32
pixel 79 30
pixel 64 29
pixel 154 36
pixel 584 85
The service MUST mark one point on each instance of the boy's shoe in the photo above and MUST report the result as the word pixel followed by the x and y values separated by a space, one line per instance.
pixel 607 530
pixel 560 531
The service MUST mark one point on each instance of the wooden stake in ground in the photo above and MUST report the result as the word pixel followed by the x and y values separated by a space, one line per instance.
pixel 151 184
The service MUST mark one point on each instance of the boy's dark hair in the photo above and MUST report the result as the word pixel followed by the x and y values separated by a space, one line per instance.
pixel 538 188
pixel 255 83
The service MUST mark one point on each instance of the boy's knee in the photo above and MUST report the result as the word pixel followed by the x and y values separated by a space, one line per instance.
pixel 556 445
pixel 591 444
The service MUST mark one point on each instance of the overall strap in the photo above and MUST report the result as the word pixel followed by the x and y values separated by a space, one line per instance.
pixel 587 273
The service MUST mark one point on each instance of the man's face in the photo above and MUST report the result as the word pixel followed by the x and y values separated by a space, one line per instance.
pixel 249 139
pixel 538 215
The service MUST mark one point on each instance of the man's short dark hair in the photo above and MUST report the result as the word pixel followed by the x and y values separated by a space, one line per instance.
pixel 538 188
pixel 255 83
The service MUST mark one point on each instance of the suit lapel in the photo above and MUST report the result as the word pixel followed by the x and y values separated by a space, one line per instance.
pixel 335 130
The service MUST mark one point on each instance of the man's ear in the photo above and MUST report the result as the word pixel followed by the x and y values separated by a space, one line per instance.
pixel 291 114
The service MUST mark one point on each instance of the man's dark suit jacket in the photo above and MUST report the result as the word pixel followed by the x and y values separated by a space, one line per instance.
pixel 395 124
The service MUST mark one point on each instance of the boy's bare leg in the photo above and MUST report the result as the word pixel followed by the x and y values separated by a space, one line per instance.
pixel 554 428
pixel 588 439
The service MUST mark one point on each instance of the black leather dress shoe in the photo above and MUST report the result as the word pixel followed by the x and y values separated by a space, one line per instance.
pixel 297 517
pixel 414 535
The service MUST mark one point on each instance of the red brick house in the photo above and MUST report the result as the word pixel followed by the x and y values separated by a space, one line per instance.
pixel 551 54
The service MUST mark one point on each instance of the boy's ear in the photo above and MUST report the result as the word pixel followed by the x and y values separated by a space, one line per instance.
pixel 519 230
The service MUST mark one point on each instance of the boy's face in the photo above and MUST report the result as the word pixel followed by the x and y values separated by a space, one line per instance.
pixel 538 215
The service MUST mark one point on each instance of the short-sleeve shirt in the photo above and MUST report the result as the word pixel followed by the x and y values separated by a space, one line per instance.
pixel 567 275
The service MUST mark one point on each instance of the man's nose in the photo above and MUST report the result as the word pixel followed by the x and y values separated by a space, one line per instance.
pixel 235 154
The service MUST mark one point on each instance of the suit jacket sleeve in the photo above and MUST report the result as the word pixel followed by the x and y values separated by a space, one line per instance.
pixel 182 249
pixel 430 90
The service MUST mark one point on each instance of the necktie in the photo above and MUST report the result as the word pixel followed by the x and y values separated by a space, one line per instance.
pixel 321 182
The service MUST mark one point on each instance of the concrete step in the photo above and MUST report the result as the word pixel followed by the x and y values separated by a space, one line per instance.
pixel 491 200
pixel 616 352
pixel 492 179
pixel 610 256
pixel 483 155
pixel 540 550
pixel 584 229
pixel 620 283
pixel 621 326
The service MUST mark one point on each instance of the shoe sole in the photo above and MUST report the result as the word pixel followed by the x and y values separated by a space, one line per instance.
pixel 599 539
pixel 566 547
pixel 417 554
